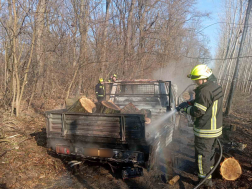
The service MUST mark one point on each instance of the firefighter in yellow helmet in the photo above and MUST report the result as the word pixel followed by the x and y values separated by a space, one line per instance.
pixel 99 90
pixel 113 78
pixel 206 108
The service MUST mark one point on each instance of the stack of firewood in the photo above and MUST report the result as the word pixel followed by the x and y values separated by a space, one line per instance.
pixel 85 105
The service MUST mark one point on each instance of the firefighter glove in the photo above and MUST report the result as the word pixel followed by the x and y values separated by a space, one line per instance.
pixel 183 105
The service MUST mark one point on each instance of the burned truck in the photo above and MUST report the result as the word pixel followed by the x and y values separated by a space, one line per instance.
pixel 124 140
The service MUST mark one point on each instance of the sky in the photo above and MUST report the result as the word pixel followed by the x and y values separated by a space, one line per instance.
pixel 214 8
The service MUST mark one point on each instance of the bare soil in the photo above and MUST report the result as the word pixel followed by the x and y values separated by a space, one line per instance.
pixel 25 162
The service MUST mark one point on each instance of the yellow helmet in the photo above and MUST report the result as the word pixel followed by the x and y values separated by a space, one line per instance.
pixel 101 80
pixel 200 71
pixel 115 75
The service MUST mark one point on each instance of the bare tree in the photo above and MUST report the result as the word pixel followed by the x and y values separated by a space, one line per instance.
pixel 55 49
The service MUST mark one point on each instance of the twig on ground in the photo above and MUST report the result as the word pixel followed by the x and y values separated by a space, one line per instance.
pixel 4 140
pixel 3 153
pixel 6 125
pixel 13 136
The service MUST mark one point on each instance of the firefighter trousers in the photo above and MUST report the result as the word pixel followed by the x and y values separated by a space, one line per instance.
pixel 204 155
pixel 99 99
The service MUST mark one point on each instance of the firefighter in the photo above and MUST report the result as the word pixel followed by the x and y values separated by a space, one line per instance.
pixel 111 81
pixel 206 108
pixel 99 90
pixel 113 78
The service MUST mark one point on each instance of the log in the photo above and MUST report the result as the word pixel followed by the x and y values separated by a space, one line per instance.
pixel 174 180
pixel 70 101
pixel 147 120
pixel 146 112
pixel 230 169
pixel 147 115
pixel 82 105
pixel 130 109
pixel 107 107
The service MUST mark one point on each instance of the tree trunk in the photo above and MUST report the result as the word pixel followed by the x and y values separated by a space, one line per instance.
pixel 222 70
pixel 141 13
pixel 39 43
pixel 128 37
pixel 83 20
pixel 28 66
pixel 104 39
pixel 15 60
pixel 248 79
pixel 72 81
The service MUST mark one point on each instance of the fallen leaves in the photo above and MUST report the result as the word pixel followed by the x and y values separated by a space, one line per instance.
pixel 29 163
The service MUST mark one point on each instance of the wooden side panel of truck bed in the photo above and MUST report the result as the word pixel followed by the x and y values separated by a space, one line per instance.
pixel 96 127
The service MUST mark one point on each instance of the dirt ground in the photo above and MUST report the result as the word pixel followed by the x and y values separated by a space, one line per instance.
pixel 25 162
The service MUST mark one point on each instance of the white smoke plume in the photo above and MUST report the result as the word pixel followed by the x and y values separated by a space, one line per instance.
pixel 176 73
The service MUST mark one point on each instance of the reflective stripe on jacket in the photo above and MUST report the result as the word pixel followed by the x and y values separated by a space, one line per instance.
pixel 207 109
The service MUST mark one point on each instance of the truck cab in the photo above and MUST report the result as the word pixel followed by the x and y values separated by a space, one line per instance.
pixel 157 96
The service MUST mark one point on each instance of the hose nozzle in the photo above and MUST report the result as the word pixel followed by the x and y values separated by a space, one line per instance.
pixel 178 108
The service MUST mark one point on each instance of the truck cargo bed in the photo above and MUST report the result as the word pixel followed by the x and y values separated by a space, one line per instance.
pixel 96 135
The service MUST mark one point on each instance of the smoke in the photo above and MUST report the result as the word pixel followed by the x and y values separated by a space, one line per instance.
pixel 176 72
pixel 161 132
pixel 159 122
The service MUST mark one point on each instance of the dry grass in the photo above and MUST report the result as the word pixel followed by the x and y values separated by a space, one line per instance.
pixel 24 161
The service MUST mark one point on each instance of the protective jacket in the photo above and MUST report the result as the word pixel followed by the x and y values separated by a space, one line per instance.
pixel 207 109
pixel 99 90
